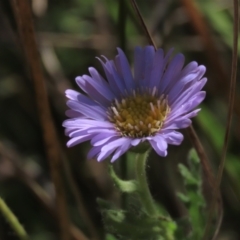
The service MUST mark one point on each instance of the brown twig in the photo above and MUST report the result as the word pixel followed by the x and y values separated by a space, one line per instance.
pixel 23 15
pixel 229 115
pixel 202 156
pixel 97 42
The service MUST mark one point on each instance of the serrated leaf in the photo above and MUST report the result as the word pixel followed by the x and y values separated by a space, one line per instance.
pixel 192 197
pixel 183 197
pixel 110 237
pixel 187 175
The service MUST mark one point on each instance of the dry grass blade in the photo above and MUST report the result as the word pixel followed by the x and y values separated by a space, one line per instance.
pixel 122 19
pixel 202 156
pixel 150 39
pixel 229 116
pixel 23 15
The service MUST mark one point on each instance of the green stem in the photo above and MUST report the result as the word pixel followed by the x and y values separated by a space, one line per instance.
pixel 144 193
pixel 13 221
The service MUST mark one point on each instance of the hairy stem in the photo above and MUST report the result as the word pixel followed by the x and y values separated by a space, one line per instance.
pixel 144 192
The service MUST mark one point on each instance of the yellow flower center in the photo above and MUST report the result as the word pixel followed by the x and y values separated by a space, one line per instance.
pixel 139 115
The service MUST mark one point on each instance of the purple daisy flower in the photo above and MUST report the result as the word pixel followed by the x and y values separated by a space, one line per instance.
pixel 149 105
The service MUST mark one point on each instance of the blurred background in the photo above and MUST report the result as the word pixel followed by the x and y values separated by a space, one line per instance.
pixel 70 34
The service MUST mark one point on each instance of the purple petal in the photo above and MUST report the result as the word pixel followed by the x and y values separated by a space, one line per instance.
pixel 124 69
pixel 190 67
pixel 194 101
pixel 71 94
pixel 102 90
pixel 81 122
pixel 76 140
pixel 184 84
pixel 114 144
pixel 94 152
pixel 121 150
pixel 97 130
pixel 73 114
pixel 114 80
pixel 187 94
pixel 110 147
pixel 97 77
pixel 149 53
pixel 173 70
pixel 88 111
pixel 103 137
pixel 104 154
pixel 178 123
pixel 190 103
pixel 180 113
pixel 157 69
pixel 77 132
pixel 173 137
pixel 158 149
pixel 136 141
pixel 84 100
pixel 161 143
pixel 97 91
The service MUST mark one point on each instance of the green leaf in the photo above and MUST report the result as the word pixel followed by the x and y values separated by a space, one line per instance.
pixel 212 127
pixel 110 237
pixel 220 20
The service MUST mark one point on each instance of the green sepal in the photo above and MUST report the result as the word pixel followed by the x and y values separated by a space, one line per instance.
pixel 129 186
pixel 141 148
